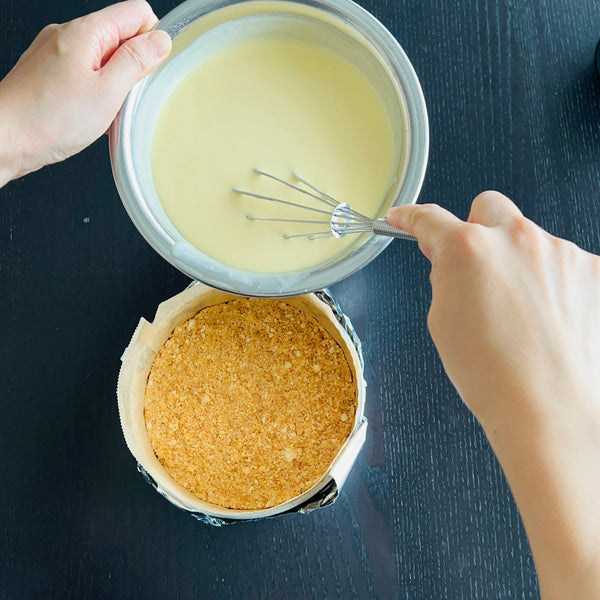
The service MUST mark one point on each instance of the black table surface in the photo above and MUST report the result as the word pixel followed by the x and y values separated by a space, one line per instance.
pixel 514 105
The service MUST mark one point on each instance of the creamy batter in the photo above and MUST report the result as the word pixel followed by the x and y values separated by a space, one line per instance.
pixel 280 105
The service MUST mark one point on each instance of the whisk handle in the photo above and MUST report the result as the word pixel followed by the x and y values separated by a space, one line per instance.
pixel 382 227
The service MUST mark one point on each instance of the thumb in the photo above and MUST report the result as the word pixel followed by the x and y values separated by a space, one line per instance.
pixel 134 59
pixel 429 223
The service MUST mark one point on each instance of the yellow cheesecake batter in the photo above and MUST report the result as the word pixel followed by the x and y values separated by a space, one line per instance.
pixel 280 105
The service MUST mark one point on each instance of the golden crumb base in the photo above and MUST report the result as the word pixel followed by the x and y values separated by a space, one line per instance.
pixel 248 403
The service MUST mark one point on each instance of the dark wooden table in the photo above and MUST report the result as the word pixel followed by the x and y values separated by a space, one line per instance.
pixel 426 514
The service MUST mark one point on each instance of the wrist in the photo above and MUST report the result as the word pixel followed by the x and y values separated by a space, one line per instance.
pixel 11 155
pixel 550 454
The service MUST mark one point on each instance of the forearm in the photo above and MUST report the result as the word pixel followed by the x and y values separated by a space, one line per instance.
pixel 18 153
pixel 11 158
pixel 551 459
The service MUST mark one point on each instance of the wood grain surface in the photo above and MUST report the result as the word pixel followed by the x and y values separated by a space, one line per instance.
pixel 514 105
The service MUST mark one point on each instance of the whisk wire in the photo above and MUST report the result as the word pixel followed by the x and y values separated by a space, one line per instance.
pixel 343 219
pixel 322 198
pixel 325 196
pixel 251 218
pixel 280 201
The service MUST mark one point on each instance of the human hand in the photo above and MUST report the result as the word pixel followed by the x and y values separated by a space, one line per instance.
pixel 67 88
pixel 515 312
pixel 515 316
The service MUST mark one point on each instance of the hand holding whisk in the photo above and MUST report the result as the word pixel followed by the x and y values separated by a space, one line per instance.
pixel 342 218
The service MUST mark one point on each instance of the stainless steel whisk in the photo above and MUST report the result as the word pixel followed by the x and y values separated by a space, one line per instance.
pixel 342 218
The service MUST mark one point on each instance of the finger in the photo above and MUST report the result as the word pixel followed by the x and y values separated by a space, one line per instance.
pixel 108 27
pixel 429 223
pixel 128 18
pixel 135 59
pixel 493 208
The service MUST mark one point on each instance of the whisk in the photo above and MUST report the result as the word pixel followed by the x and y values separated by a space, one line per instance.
pixel 342 218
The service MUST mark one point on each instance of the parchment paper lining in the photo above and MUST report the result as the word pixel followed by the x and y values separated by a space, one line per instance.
pixel 137 360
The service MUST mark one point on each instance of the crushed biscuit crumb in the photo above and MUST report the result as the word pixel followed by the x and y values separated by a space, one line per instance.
pixel 248 403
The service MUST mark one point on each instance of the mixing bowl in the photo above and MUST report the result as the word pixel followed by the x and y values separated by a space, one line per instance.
pixel 337 25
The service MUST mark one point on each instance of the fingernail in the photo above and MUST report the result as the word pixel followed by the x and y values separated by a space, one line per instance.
pixel 159 42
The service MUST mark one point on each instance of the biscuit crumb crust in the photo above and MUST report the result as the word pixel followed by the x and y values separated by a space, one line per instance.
pixel 248 403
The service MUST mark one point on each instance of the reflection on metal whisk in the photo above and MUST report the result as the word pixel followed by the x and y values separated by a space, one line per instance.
pixel 342 219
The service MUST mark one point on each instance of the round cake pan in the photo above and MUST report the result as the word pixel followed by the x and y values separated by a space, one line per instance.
pixel 137 360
